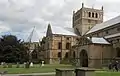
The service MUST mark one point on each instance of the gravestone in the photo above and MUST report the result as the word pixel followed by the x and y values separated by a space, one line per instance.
pixel 27 65
pixel 9 65
pixel 64 72
pixel 24 64
pixel 31 64
pixel 17 65
pixel 4 65
pixel 85 71
pixel 42 64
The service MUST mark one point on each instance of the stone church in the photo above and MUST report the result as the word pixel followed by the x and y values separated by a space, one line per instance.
pixel 93 43
pixel 58 42
pixel 99 44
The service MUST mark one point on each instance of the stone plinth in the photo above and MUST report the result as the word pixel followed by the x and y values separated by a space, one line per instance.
pixel 64 72
pixel 85 72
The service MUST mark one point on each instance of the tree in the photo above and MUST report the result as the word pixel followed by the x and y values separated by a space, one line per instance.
pixel 12 50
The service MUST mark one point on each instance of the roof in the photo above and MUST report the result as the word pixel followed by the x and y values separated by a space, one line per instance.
pixel 62 31
pixel 113 35
pixel 33 36
pixel 104 24
pixel 98 40
pixel 23 35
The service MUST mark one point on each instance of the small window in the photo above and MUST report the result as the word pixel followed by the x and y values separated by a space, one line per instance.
pixel 59 54
pixel 96 15
pixel 92 14
pixel 68 38
pixel 59 45
pixel 106 32
pixel 118 29
pixel 68 45
pixel 77 39
pixel 89 14
pixel 117 40
pixel 74 54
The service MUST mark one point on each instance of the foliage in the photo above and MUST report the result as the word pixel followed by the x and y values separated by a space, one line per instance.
pixel 12 50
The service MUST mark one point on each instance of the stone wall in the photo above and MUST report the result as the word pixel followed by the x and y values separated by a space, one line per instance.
pixel 97 54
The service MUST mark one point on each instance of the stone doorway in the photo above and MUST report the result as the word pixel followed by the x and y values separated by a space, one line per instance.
pixel 118 51
pixel 84 58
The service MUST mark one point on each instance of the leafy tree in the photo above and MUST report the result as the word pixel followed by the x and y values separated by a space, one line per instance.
pixel 12 50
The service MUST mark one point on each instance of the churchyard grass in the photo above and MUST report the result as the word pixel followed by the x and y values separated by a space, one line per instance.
pixel 35 69
pixel 107 73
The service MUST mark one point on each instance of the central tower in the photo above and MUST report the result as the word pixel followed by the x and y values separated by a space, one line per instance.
pixel 85 18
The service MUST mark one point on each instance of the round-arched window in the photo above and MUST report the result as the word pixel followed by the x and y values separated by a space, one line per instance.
pixel 89 14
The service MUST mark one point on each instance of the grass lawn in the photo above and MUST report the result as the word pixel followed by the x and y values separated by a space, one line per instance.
pixel 50 68
pixel 35 69
pixel 107 73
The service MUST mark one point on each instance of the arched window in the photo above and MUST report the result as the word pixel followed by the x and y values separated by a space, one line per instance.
pixel 92 14
pixel 89 14
pixel 118 52
pixel 34 54
pixel 66 55
pixel 74 54
pixel 96 15
pixel 68 45
pixel 59 54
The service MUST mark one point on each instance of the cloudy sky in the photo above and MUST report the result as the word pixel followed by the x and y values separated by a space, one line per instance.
pixel 19 16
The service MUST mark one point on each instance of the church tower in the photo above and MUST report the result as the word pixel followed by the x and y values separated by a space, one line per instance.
pixel 85 18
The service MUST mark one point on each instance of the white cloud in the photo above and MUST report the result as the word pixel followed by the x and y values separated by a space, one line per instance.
pixel 22 15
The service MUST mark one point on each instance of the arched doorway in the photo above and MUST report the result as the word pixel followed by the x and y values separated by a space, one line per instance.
pixel 83 58
pixel 118 51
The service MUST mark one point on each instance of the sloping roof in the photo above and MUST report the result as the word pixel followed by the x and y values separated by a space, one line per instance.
pixel 104 24
pixel 23 35
pixel 113 35
pixel 62 31
pixel 33 37
pixel 98 40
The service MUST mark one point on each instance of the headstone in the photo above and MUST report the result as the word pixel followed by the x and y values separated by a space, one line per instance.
pixel 85 71
pixel 42 63
pixel 27 65
pixel 31 64
pixel 9 65
pixel 24 64
pixel 17 65
pixel 64 72
pixel 4 65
